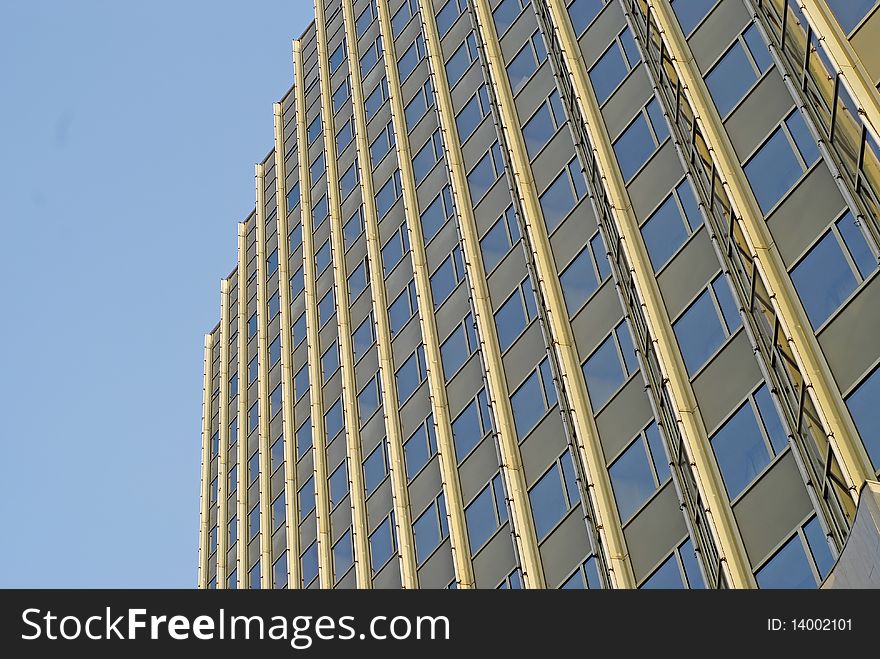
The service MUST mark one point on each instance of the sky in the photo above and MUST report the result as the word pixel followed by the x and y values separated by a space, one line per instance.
pixel 128 137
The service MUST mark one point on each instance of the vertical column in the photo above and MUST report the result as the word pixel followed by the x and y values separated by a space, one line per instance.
pixel 263 386
pixel 598 486
pixel 397 468
pixel 794 326
pixel 222 466
pixel 325 567
pixel 291 504
pixel 204 513
pixel 458 538
pixel 675 381
pixel 241 486
pixel 499 395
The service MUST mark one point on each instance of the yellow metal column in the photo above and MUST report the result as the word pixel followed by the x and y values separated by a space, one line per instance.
pixel 263 385
pixel 677 383
pixel 794 325
pixel 316 399
pixel 241 418
pixel 520 508
pixel 205 505
pixel 598 485
pixel 222 467
pixel 291 504
pixel 399 492
pixel 458 538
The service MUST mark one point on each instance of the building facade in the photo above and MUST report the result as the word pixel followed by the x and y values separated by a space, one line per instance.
pixel 553 294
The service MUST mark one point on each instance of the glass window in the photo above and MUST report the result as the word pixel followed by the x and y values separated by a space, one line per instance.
pixel 318 167
pixel 435 216
pixel 254 522
pixel 403 308
pixel 600 255
pixel 278 512
pixel 253 468
pixel 301 382
pixel 473 112
pixel 430 529
pixel 337 57
pixel 562 194
pixel 279 571
pixel 232 532
pixel 253 417
pixel 341 95
pixel 272 262
pixel 418 106
pixel 448 14
pixel 326 308
pixel 702 328
pixel 402 16
pixel 349 180
pixel 274 304
pixel 314 129
pixel 275 400
pixel 669 226
pixel 371 56
pixel 293 198
pixel 849 13
pixel 338 485
pixel 862 404
pixel 394 249
pixel 388 194
pixel 252 325
pixel 609 366
pixel 330 362
pixel 579 281
pixel 299 330
pixel 667 576
pixel 276 453
pixel 295 238
pixel 321 210
pixel 306 498
pixel 640 140
pixel 275 351
pixel 506 13
pixel 345 134
pixel 632 479
pixel 358 280
pixel 297 283
pixel 514 314
pixel 458 347
pixel 411 58
pixel 613 66
pixel 304 438
pixel 376 99
pixel 309 564
pixel 363 338
pixel 365 19
pixel 526 62
pixel 469 428
pixel 419 448
pixel 381 544
pixel 322 257
pixel 691 12
pixel 582 13
pixel 446 277
pixel 543 125
pixel 354 227
pixel 553 496
pixel 736 72
pixel 461 60
pixel 817 542
pixel 485 514
pixel 253 370
pixel 498 240
pixel 375 467
pixel 343 556
pixel 485 173
pixel 410 375
pixel 789 568
pixel 368 399
pixel 333 420
pixel 428 156
pixel 533 398
pixel 254 577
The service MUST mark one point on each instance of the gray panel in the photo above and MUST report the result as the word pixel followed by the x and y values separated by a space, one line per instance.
pixel 652 534
pixel 389 576
pixel 630 97
pixel 655 180
pixel 717 32
pixel 379 504
pixel 425 488
pixel 523 355
pixel 624 417
pixel 772 508
pixel 758 113
pixel 495 560
pixel 542 447
pixel 565 548
pixel 593 323
pixel 604 28
pixel 477 469
pixel 438 572
pixel 688 272
pixel 340 518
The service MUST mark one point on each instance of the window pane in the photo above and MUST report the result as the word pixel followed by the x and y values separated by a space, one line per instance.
pixel 528 405
pixel 857 245
pixel 770 417
pixel 375 468
pixel 557 201
pixel 667 576
pixel 343 557
pixel 850 13
pixel 823 279
pixel 731 78
pixel 481 519
pixel 699 332
pixel 426 530
pixel 582 13
pixel 691 567
pixel 603 373
pixel 548 502
pixel 510 320
pixel 862 404
pixel 789 568
pixel 740 450
pixel 338 484
pixel 538 130
pixel 608 73
pixel 691 12
pixel 466 431
pixel 818 543
pixel 368 401
pixel 521 67
pixel 664 232
pixel 381 545
pixel 578 281
pixel 632 479
pixel 634 147
pixel 309 562
pixel 773 170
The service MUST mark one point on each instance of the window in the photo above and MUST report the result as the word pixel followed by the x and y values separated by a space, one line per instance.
pixel 420 447
pixel 428 156
pixel 253 468
pixel 543 125
pixel 446 277
pixel 506 13
pixel 306 497
pixel 430 529
pixel 275 351
pixel 418 106
pixel 582 13
pixel 363 338
pixel 486 513
pixel 515 314
pixel 639 471
pixel 640 139
pixel 295 238
pixel 337 57
pixel 293 197
pixel 358 280
pixel 395 249
pixel 499 239
pixel 585 577
pixel 485 173
pixel 473 112
pixel 368 399
pixel 330 362
pixel 435 216
pixel 691 12
pixel 232 479
pixel 341 95
pixel 411 58
pixel 314 129
pixel 304 438
pixel 275 400
pixel 402 16
pixel 461 60
pixel 382 544
pixel 472 425
pixel 670 225
pixel 317 168
pixel 320 211
pixel 376 467
pixel 354 227
pixel 581 278
pixel 747 441
pixel 832 269
pixel 326 308
pixel 309 564
pixel 343 556
pixel 458 347
pixel 781 161
pixel 371 56
pixel 254 522
pixel 274 304
pixel 345 135
pixel 802 562
pixel 680 570
pixel 365 19
pixel 561 196
pixel 299 330
pixel 533 398
pixel 610 365
pixel 448 14
pixel 252 325
pixel 254 417
pixel 862 404
pixel 554 495
pixel 297 282
pixel 254 577
pixel 706 324
pixel 526 62
pixel 614 65
pixel 382 144
pixel 278 512
pixel 233 432
pixel 333 421
pixel 272 262
pixel 402 309
pixel 338 485
pixel 253 370
pixel 388 194
pixel 301 382
pixel 849 13
pixel 232 532
pixel 410 375
pixel 737 70
pixel 349 180
pixel 279 571
pixel 376 99
pixel 276 453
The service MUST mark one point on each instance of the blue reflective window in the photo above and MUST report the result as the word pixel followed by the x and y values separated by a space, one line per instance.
pixel 322 257
pixel 849 13
pixel 343 556
pixel 430 529
pixel 862 404
pixel 338 482
pixel 403 308
pixel 299 330
pixel 579 281
pixel 368 400
pixel 337 57
pixel 419 448
pixel 701 329
pixel 345 134
pixel 309 564
pixel 293 196
pixel 740 449
pixel 254 522
pixel 333 420
pixel 667 576
pixel 410 375
pixel 485 173
pixel 553 496
pixel 253 468
pixel 789 568
pixel 817 542
pixel 447 276
pixel 448 14
pixel 275 400
pixel 349 180
pixel 354 227
pixel 326 308
pixel 276 454
pixel 341 95
pixel 582 13
pixel 640 139
pixel 455 350
pixel 388 194
pixel 533 398
pixel 253 417
pixel 318 167
pixel 484 515
pixel 471 425
pixel 321 210
pixel 461 60
pixel 394 250
pixel 304 438
pixel 330 362
pixel 736 72
pixel 253 370
pixel 613 66
pixel 506 13
pixel 381 545
pixel 434 217
pixel 375 467
pixel 376 98
pixel 498 240
pixel 561 196
pixel 306 498
pixel 254 577
pixel 418 106
pixel 543 125
pixel 279 571
pixel 608 367
pixel 428 156
pixel 371 56
pixel 252 325
pixel 295 237
pixel 473 112
pixel 514 314
pixel 691 12
pixel 526 62
pixel 314 129
pixel 411 58
pixel 403 15
pixel 365 19
pixel 363 338
pixel 632 479
pixel 278 512
pixel 272 262
pixel 358 280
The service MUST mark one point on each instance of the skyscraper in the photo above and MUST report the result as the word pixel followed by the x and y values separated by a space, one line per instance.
pixel 553 294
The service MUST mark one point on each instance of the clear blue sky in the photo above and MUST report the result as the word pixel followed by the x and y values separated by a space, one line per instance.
pixel 128 137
